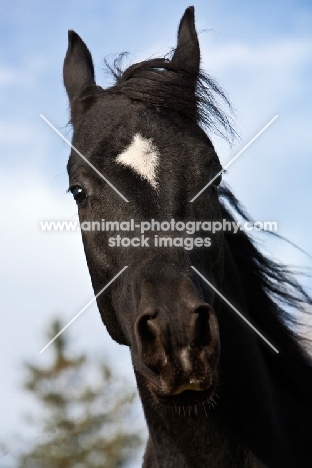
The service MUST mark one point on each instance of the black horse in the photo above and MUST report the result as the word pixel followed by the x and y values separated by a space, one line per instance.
pixel 214 392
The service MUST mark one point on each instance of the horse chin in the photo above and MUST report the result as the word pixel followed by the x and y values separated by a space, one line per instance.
pixel 187 398
pixel 189 394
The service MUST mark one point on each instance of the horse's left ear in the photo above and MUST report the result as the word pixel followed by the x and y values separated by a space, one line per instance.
pixel 187 53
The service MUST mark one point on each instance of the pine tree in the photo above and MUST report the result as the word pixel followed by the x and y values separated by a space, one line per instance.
pixel 81 425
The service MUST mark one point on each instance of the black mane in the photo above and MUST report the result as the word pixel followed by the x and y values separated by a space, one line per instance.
pixel 273 296
pixel 161 83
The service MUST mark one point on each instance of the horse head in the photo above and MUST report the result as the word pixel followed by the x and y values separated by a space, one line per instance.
pixel 143 135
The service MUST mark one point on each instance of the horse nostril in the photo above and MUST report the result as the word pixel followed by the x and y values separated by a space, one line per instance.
pixel 147 330
pixel 202 331
pixel 147 334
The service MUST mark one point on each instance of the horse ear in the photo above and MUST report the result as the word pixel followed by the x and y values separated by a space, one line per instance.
pixel 187 53
pixel 78 70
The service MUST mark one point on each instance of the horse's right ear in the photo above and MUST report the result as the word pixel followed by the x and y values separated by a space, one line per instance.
pixel 78 70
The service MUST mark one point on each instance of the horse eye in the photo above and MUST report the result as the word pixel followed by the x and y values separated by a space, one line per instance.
pixel 79 195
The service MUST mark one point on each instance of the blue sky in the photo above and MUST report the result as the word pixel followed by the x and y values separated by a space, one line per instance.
pixel 259 51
